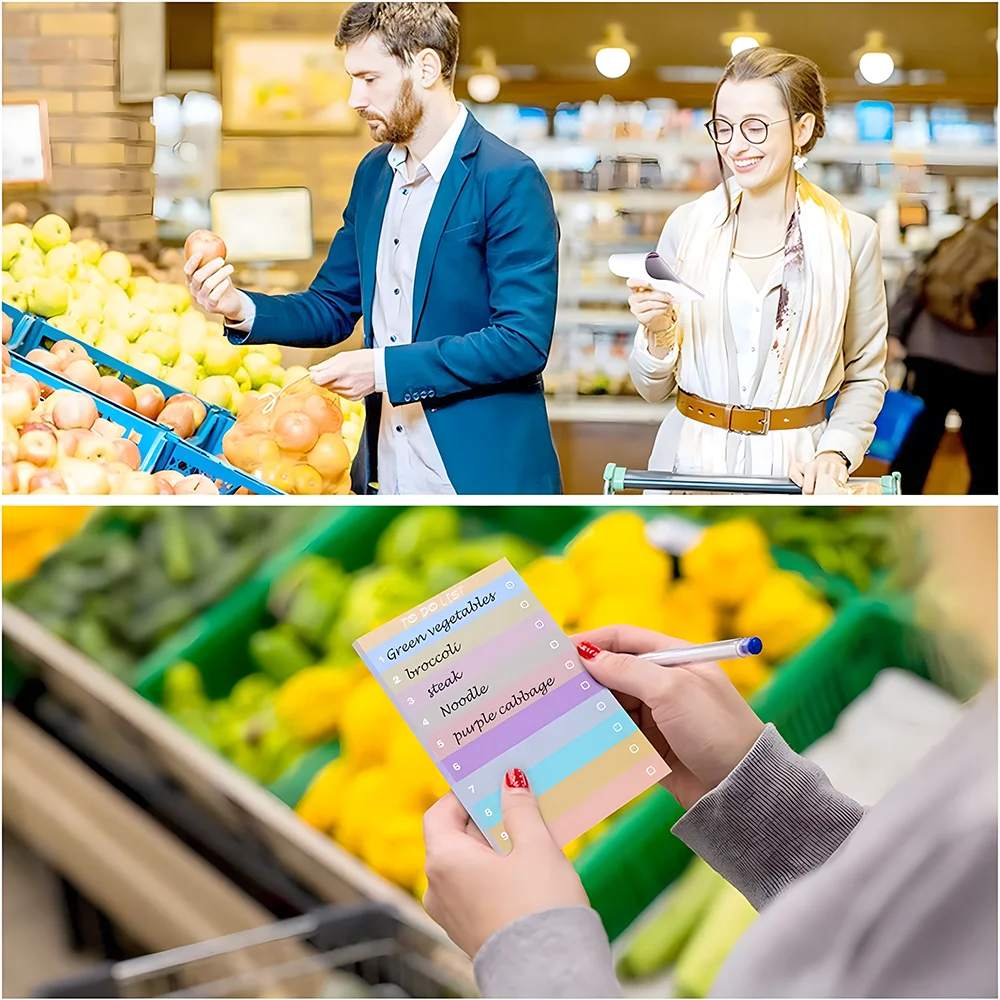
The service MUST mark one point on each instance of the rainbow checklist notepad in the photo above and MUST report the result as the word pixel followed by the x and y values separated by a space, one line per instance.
pixel 488 681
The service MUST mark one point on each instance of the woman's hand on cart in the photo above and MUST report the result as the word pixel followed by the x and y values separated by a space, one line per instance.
pixel 826 473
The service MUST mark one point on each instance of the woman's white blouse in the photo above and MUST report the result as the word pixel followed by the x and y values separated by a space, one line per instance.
pixel 748 314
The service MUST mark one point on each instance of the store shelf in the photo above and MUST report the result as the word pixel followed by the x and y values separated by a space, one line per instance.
pixel 559 153
pixel 607 410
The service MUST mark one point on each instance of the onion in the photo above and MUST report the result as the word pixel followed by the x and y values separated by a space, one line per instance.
pixel 137 484
pixel 179 418
pixel 330 457
pixel 38 425
pixel 44 479
pixel 8 332
pixel 38 447
pixel 196 484
pixel 96 449
pixel 9 476
pixel 84 477
pixel 306 481
pixel 295 432
pixel 117 391
pixel 128 452
pixel 76 410
pixel 162 486
pixel 50 491
pixel 70 350
pixel 45 359
pixel 107 429
pixel 198 410
pixel 84 373
pixel 149 401
pixel 324 413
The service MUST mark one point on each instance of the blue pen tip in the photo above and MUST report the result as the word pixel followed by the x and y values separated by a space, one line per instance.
pixel 755 646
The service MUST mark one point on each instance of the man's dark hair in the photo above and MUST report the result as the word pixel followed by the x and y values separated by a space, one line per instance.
pixel 404 29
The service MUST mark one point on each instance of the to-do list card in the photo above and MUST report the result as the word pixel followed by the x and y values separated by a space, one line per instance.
pixel 488 681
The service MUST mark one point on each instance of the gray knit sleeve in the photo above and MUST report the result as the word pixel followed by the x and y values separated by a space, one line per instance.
pixel 775 818
pixel 557 953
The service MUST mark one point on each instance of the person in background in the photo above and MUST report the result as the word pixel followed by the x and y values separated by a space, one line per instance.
pixel 449 250
pixel 794 309
pixel 945 321
pixel 898 900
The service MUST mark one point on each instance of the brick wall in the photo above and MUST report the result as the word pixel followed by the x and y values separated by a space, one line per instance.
pixel 102 151
pixel 324 164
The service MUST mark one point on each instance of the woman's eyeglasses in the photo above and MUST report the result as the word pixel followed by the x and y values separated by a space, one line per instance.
pixel 754 130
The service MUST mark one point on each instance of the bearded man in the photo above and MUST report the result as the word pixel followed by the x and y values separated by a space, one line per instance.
pixel 449 251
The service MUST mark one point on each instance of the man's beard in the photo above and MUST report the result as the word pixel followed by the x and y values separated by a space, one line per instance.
pixel 405 116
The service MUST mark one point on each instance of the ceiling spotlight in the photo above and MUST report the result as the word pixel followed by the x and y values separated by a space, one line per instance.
pixel 484 83
pixel 614 54
pixel 876 63
pixel 746 36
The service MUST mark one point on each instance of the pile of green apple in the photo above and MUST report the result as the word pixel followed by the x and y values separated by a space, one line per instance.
pixel 91 294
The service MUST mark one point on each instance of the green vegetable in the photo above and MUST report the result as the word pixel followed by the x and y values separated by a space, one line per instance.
pixel 308 597
pixel 660 940
pixel 279 652
pixel 412 535
pixel 728 916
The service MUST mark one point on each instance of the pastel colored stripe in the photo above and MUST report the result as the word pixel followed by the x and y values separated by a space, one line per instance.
pixel 510 655
pixel 486 713
pixel 530 752
pixel 475 639
pixel 445 623
pixel 599 805
pixel 575 756
pixel 384 633
pixel 524 723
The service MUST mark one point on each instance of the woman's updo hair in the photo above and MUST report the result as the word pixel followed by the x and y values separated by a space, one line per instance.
pixel 798 80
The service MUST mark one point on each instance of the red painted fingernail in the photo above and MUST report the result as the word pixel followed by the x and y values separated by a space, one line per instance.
pixel 588 650
pixel 516 778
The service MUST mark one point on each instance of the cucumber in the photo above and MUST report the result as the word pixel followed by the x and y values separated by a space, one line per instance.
pixel 659 942
pixel 728 916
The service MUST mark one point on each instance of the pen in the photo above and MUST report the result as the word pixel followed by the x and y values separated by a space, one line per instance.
pixel 730 649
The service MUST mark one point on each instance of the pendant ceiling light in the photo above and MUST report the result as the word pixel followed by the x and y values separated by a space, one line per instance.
pixel 746 36
pixel 614 55
pixel 876 62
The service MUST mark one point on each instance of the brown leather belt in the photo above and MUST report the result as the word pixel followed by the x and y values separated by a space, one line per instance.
pixel 749 419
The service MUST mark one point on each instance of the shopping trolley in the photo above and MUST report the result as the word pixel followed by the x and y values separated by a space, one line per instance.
pixel 617 479
pixel 359 950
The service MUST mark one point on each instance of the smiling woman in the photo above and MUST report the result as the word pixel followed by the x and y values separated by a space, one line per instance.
pixel 794 309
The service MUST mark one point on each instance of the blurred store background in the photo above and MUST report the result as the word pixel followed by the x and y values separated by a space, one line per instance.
pixel 192 750
pixel 153 107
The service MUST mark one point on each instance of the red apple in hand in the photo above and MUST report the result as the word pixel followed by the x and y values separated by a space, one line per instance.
pixel 204 245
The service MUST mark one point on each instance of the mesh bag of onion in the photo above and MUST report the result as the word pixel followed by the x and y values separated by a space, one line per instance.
pixel 292 441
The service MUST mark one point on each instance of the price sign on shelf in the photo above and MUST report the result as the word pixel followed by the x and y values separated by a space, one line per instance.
pixel 27 157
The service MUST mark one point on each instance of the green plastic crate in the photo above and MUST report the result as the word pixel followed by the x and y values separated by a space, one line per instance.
pixel 217 641
pixel 627 868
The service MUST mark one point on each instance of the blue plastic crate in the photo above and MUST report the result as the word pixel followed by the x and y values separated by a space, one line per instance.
pixel 41 334
pixel 899 411
pixel 150 438
pixel 185 458
pixel 23 322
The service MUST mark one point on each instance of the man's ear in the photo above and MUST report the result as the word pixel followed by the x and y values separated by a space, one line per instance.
pixel 428 67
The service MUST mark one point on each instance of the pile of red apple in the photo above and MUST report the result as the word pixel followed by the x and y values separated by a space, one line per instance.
pixel 183 414
pixel 56 442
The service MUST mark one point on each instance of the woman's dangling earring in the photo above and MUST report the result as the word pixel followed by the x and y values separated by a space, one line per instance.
pixel 798 160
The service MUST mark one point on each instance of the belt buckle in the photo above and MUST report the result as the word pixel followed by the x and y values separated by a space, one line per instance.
pixel 760 409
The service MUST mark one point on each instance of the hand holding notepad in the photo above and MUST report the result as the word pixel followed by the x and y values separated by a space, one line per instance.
pixel 488 681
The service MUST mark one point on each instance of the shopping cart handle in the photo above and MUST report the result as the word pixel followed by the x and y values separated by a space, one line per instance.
pixel 617 479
